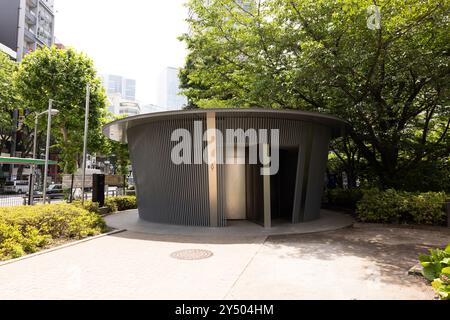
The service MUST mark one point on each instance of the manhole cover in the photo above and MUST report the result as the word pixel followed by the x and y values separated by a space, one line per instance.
pixel 191 254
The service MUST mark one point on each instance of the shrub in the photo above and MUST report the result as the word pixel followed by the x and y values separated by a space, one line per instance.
pixel 27 229
pixel 125 202
pixel 112 204
pixel 345 197
pixel 89 205
pixel 436 268
pixel 393 206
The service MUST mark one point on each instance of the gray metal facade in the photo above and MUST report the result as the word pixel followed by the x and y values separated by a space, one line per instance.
pixel 181 194
pixel 9 21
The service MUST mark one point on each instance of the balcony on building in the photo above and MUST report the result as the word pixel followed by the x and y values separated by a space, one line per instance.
pixel 30 17
pixel 32 3
pixel 29 35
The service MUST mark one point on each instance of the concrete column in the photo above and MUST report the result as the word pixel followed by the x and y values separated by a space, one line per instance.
pixel 266 189
pixel 212 168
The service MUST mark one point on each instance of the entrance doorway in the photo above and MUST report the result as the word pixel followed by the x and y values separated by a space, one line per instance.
pixel 244 187
pixel 282 187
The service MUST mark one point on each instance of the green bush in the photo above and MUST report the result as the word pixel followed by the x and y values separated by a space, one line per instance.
pixel 436 268
pixel 345 197
pixel 113 204
pixel 426 208
pixel 89 205
pixel 393 206
pixel 26 229
pixel 125 202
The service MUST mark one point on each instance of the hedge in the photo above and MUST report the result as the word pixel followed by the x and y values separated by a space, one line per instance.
pixel 125 202
pixel 393 206
pixel 27 229
pixel 112 204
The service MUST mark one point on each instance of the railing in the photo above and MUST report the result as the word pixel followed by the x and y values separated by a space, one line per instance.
pixel 10 200
pixel 32 3
pixel 30 17
pixel 20 197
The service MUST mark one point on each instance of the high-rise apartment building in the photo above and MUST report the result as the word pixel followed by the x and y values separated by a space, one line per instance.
pixel 26 25
pixel 169 97
pixel 115 84
pixel 123 107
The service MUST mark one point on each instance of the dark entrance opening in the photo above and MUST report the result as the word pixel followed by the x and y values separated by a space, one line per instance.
pixel 282 186
pixel 282 189
pixel 254 193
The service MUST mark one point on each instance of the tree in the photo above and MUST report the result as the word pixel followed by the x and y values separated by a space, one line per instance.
pixel 390 80
pixel 7 97
pixel 62 75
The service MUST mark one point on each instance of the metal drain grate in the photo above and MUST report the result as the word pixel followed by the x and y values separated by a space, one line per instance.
pixel 191 254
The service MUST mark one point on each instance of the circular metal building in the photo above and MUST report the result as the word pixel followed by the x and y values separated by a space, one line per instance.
pixel 205 167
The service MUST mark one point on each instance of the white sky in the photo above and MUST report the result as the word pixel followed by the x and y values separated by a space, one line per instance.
pixel 133 38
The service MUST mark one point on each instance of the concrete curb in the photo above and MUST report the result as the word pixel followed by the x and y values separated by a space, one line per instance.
pixel 61 247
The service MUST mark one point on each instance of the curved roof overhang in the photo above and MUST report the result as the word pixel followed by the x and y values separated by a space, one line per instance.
pixel 117 130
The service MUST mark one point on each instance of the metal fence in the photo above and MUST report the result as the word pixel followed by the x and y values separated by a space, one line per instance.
pixel 10 200
pixel 15 186
pixel 14 198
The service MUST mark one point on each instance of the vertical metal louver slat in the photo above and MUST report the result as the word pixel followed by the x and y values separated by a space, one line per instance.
pixel 172 173
pixel 190 196
pixel 183 219
pixel 193 190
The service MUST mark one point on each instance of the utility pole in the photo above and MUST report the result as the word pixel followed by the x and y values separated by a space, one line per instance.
pixel 86 126
pixel 47 148
pixel 33 168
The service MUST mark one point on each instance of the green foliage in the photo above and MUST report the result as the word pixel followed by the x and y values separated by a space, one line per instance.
pixel 7 91
pixel 436 268
pixel 393 206
pixel 428 176
pixel 120 157
pixel 345 197
pixel 7 96
pixel 391 84
pixel 27 229
pixel 125 202
pixel 113 204
pixel 62 75
pixel 89 205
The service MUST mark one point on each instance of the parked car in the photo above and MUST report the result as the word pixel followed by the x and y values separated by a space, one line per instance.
pixel 18 186
pixel 53 191
pixel 55 188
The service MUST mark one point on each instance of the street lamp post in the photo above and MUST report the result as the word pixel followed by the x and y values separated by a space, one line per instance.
pixel 47 148
pixel 50 113
pixel 33 168
pixel 86 127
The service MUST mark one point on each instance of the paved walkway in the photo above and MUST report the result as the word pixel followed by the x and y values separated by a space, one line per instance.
pixel 329 221
pixel 363 262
